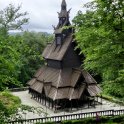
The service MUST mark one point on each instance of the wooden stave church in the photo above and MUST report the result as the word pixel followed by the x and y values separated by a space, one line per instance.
pixel 62 83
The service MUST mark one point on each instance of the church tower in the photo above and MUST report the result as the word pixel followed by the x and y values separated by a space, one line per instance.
pixel 63 16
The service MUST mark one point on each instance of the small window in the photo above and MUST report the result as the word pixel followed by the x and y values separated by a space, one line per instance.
pixel 63 18
pixel 58 40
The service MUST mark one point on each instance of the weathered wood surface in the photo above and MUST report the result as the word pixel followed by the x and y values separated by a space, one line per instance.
pixel 18 89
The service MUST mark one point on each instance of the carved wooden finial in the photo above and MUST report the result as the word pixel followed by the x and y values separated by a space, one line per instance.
pixel 69 10
pixel 53 27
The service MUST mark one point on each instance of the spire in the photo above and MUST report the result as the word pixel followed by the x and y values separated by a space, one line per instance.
pixel 63 2
pixel 63 16
pixel 63 5
pixel 63 12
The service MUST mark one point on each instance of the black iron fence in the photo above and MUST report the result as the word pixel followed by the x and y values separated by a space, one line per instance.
pixel 69 117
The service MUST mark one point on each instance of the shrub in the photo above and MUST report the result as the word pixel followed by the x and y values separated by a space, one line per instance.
pixel 8 105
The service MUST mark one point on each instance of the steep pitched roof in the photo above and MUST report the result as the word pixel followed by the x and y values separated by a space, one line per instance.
pixel 88 78
pixel 93 89
pixel 66 93
pixel 49 75
pixel 31 82
pixel 57 52
pixel 58 77
pixel 55 81
pixel 61 83
pixel 37 86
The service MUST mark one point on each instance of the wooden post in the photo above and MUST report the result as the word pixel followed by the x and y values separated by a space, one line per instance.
pixel 77 104
pixel 45 100
pixel 49 102
pixel 94 102
pixel 42 99
pixel 36 96
pixel 52 104
pixel 71 105
pixel 101 99
pixel 55 105
pixel 88 102
pixel 97 99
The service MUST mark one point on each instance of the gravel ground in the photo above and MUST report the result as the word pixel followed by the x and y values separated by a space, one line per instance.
pixel 26 100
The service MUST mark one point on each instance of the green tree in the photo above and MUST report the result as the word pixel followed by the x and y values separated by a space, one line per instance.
pixel 31 50
pixel 10 63
pixel 20 55
pixel 100 36
pixel 12 19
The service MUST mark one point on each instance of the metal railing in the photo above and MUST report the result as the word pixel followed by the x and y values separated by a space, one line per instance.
pixel 69 117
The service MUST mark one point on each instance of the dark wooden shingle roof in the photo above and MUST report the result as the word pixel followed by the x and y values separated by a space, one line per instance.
pixel 93 89
pixel 58 77
pixel 88 78
pixel 57 52
pixel 37 86
pixel 66 93
pixel 62 83
pixel 32 81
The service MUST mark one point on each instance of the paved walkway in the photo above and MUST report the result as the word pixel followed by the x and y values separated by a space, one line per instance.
pixel 26 100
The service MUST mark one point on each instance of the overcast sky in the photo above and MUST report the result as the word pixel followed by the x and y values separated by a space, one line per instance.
pixel 43 13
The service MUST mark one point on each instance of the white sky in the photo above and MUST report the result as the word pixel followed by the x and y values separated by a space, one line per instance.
pixel 43 13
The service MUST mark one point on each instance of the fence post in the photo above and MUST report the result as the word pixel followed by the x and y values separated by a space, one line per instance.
pixel 113 113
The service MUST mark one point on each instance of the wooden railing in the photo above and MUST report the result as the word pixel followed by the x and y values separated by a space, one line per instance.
pixel 69 117
pixel 18 89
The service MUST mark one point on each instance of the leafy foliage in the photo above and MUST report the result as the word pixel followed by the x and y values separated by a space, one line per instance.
pixel 117 100
pixel 8 105
pixel 11 108
pixel 10 63
pixel 20 113
pixel 99 33
pixel 12 19
pixel 31 50
pixel 20 55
